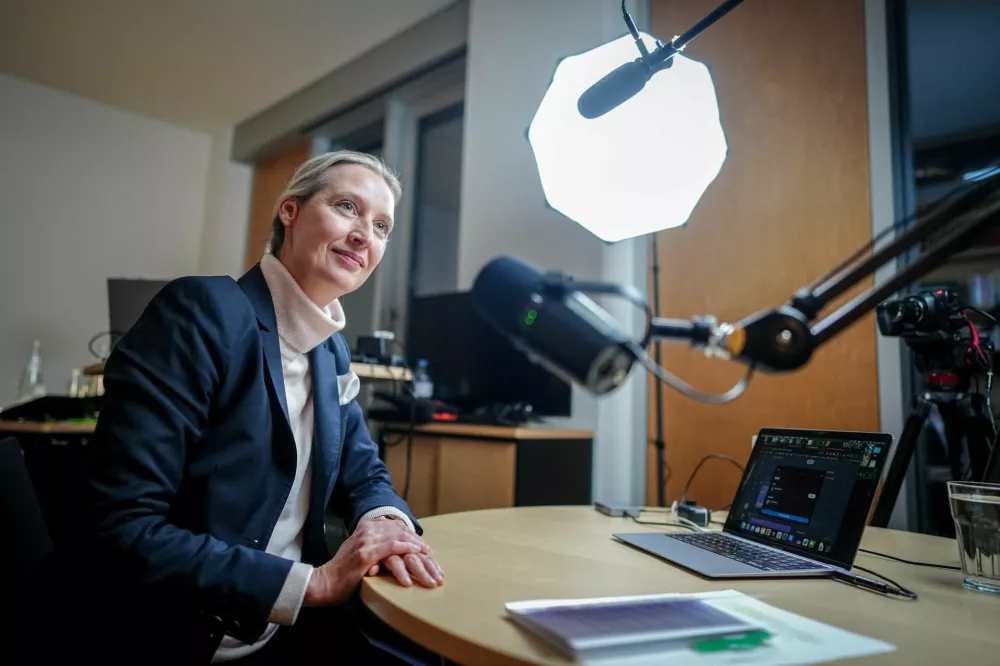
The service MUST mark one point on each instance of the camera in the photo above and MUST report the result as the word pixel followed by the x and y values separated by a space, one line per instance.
pixel 922 315
pixel 934 324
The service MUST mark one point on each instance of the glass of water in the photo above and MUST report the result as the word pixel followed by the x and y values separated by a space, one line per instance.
pixel 976 510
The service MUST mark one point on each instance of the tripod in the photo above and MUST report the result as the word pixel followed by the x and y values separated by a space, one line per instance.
pixel 968 437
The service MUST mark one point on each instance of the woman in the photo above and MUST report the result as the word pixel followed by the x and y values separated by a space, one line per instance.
pixel 230 424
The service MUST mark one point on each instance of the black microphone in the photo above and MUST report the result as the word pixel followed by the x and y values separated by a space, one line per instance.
pixel 553 324
pixel 613 90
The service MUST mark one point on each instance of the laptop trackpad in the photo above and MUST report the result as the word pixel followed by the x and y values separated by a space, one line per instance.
pixel 691 557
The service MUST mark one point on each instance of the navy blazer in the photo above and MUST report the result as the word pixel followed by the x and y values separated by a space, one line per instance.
pixel 193 456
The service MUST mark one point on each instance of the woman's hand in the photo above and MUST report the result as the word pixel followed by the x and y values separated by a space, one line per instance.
pixel 421 567
pixel 372 542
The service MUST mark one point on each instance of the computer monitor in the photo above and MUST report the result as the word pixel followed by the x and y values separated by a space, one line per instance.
pixel 473 366
pixel 126 301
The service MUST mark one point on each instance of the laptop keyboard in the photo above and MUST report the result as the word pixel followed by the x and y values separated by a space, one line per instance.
pixel 747 553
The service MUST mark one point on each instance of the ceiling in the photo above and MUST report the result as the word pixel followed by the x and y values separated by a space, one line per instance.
pixel 199 63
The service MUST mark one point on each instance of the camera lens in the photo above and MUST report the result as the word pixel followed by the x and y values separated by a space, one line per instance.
pixel 909 310
pixel 894 312
pixel 929 313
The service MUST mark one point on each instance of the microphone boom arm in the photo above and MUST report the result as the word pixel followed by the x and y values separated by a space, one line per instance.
pixel 661 57
pixel 784 338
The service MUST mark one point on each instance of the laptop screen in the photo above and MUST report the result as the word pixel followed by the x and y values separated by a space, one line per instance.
pixel 810 491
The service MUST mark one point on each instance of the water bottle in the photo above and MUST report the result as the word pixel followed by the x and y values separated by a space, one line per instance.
pixel 32 380
pixel 423 387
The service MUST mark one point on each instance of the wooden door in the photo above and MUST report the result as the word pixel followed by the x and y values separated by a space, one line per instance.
pixel 269 179
pixel 791 202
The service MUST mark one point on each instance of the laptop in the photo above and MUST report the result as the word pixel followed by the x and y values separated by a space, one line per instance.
pixel 800 509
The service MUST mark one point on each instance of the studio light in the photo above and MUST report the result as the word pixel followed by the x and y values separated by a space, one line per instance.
pixel 640 167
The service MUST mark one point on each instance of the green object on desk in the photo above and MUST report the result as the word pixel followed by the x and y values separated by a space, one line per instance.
pixel 746 641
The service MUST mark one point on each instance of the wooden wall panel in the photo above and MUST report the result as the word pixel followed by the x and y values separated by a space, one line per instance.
pixel 475 475
pixel 423 498
pixel 449 474
pixel 791 202
pixel 269 179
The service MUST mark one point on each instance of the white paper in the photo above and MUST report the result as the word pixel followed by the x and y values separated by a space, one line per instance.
pixel 795 640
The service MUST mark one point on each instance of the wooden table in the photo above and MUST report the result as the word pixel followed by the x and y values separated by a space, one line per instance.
pixel 496 556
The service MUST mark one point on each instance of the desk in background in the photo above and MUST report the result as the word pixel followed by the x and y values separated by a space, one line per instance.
pixel 493 557
pixel 53 454
pixel 362 370
pixel 52 439
pixel 462 467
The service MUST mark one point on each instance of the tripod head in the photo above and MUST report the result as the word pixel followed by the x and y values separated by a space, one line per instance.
pixel 948 347
pixel 949 350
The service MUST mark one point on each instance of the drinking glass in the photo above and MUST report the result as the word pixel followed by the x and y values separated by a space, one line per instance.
pixel 975 508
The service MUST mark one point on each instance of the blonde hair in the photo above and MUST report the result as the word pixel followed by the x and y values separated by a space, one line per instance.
pixel 310 178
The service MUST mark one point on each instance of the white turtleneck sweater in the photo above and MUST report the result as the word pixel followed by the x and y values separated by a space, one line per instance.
pixel 302 326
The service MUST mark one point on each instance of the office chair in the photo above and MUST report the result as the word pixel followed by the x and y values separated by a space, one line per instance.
pixel 20 516
pixel 24 546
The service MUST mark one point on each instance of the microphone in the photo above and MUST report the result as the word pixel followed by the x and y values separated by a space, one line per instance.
pixel 616 88
pixel 623 83
pixel 555 325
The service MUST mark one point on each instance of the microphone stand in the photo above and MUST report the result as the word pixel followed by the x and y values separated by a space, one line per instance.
pixel 658 442
pixel 662 57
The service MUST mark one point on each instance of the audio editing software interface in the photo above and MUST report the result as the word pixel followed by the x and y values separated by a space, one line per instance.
pixel 809 494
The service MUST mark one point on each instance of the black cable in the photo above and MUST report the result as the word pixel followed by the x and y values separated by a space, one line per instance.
pixel 396 381
pixel 90 344
pixel 675 382
pixel 660 523
pixel 710 456
pixel 989 396
pixel 899 225
pixel 948 567
pixel 410 427
pixel 996 435
pixel 408 435
pixel 409 451
pixel 899 591
pixel 981 312
pixel 736 391
pixel 659 442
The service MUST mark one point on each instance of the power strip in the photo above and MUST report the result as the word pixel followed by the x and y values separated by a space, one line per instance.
pixel 698 515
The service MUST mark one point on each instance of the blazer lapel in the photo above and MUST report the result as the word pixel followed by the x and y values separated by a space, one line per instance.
pixel 255 287
pixel 326 415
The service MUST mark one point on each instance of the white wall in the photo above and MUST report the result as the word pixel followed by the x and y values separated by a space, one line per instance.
pixel 513 50
pixel 226 210
pixel 89 192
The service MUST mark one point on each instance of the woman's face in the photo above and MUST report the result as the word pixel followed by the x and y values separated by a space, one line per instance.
pixel 335 240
